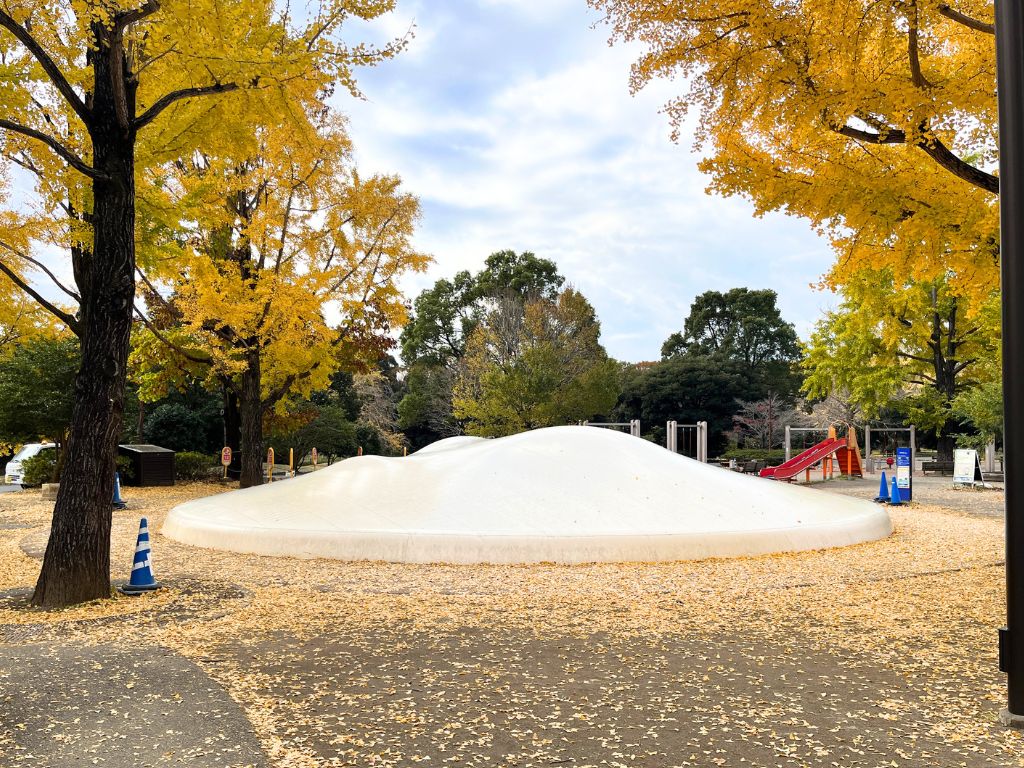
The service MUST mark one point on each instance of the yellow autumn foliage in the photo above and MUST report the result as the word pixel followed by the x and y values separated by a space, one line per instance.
pixel 877 122
pixel 291 267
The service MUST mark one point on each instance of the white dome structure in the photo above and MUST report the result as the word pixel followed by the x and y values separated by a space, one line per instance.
pixel 562 494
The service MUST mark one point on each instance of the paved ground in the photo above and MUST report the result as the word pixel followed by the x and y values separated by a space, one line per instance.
pixel 479 697
pixel 118 706
pixel 880 655
pixel 933 490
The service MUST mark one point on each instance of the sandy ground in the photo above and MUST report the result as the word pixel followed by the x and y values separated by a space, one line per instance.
pixel 883 654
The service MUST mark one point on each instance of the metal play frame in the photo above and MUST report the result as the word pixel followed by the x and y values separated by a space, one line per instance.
pixel 634 425
pixel 790 429
pixel 869 465
pixel 700 435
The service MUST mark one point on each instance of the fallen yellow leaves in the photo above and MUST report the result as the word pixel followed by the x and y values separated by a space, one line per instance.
pixel 880 654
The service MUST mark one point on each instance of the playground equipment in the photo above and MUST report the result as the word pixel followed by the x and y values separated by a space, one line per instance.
pixel 590 495
pixel 868 431
pixel 842 450
pixel 633 424
pixel 695 433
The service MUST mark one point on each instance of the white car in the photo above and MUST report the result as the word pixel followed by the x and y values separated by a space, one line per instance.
pixel 13 472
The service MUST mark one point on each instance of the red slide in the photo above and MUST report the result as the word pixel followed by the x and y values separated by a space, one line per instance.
pixel 804 460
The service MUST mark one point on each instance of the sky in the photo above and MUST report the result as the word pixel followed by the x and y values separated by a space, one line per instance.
pixel 512 122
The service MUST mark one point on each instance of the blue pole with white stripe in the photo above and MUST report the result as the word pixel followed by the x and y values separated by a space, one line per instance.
pixel 142 579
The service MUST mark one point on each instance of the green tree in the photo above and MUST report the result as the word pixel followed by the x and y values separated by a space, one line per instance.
pixel 425 411
pixel 687 389
pixel 534 363
pixel 443 318
pixel 445 314
pixel 744 326
pixel 910 346
pixel 331 433
pixel 37 381
pixel 982 406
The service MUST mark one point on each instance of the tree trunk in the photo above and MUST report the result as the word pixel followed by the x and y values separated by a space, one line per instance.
pixel 233 432
pixel 251 412
pixel 945 443
pixel 76 566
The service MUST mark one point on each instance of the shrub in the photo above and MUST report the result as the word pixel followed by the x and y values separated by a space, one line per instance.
pixel 178 428
pixel 772 456
pixel 41 468
pixel 190 465
pixel 126 469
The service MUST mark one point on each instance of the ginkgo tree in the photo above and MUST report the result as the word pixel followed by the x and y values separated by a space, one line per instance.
pixel 875 121
pixel 94 95
pixel 282 240
pixel 915 346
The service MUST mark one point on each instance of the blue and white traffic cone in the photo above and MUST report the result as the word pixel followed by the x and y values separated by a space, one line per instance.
pixel 142 568
pixel 895 497
pixel 119 503
pixel 883 490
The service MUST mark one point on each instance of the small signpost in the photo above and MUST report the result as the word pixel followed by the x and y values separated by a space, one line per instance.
pixel 291 461
pixel 225 459
pixel 314 459
pixel 270 465
pixel 967 467
pixel 904 474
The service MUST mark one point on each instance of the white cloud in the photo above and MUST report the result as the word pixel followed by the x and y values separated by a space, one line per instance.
pixel 516 129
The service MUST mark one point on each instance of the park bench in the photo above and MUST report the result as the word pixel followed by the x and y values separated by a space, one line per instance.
pixel 935 465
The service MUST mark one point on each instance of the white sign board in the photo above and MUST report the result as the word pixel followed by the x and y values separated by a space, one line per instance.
pixel 966 467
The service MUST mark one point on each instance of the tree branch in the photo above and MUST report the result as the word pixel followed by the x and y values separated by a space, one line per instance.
pixel 127 18
pixel 964 364
pixel 967 21
pixel 49 67
pixel 908 356
pixel 894 136
pixel 281 391
pixel 60 314
pixel 913 51
pixel 185 93
pixel 177 348
pixel 69 157
pixel 932 147
pixel 941 154
pixel 42 267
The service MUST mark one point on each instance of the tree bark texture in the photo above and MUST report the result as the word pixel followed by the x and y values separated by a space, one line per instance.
pixel 251 412
pixel 233 432
pixel 76 566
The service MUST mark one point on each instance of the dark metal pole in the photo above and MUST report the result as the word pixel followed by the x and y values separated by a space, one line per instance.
pixel 1010 63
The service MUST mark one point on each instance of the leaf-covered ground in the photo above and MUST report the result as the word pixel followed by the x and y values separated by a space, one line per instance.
pixel 877 655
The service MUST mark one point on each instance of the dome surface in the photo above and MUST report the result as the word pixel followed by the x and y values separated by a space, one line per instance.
pixel 561 494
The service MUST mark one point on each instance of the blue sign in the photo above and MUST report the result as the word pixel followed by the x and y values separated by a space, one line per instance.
pixel 904 473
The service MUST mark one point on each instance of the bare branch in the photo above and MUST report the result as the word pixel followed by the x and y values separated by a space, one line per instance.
pixel 42 267
pixel 185 93
pixel 60 314
pixel 894 136
pixel 69 157
pixel 195 358
pixel 967 21
pixel 941 154
pixel 932 147
pixel 49 67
